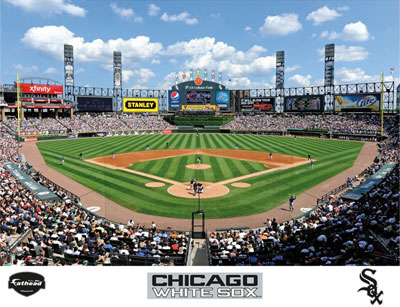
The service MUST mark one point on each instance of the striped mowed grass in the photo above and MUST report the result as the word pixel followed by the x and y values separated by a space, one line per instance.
pixel 266 192
pixel 221 168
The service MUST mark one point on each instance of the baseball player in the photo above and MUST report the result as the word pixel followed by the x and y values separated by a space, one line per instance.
pixel 312 164
pixel 147 147
pixel 309 157
pixel 192 184
pixel 237 146
pixel 270 155
pixel 112 155
pixel 80 155
pixel 291 200
pixel 62 160
pixel 198 160
pixel 167 144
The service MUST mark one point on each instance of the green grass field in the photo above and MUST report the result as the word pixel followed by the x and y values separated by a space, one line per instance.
pixel 266 192
pixel 221 168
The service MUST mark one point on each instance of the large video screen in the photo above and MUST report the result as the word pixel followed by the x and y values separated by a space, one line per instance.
pixel 197 97
pixel 94 104
pixel 357 102
pixel 261 104
pixel 312 103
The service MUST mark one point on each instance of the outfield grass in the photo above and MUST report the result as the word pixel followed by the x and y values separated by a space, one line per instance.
pixel 267 191
pixel 221 168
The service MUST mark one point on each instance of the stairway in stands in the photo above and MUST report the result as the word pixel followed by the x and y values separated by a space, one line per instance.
pixel 198 254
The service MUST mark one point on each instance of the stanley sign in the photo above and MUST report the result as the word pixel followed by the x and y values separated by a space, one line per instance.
pixel 140 104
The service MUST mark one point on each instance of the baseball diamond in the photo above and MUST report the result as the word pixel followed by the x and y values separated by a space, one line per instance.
pixel 268 189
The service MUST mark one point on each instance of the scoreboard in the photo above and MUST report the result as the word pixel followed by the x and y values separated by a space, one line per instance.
pixel 309 103
pixel 94 104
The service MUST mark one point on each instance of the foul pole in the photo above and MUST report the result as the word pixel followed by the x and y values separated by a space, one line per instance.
pixel 18 106
pixel 382 97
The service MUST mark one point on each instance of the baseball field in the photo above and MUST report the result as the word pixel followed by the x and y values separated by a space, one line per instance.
pixel 147 176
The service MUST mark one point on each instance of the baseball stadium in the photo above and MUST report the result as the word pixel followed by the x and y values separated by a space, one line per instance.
pixel 200 173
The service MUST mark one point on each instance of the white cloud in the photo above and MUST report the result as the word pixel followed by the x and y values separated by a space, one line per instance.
pixel 355 32
pixel 351 32
pixel 50 40
pixel 322 15
pixel 281 25
pixel 49 7
pixel 142 75
pixel 155 61
pixel 300 80
pixel 314 35
pixel 356 75
pixel 173 61
pixel 127 14
pixel 153 9
pixel 184 17
pixel 247 28
pixel 79 70
pixel 292 68
pixel 343 8
pixel 25 69
pixel 50 71
pixel 347 54
pixel 205 52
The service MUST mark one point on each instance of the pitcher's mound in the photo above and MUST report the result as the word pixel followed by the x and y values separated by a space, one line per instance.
pixel 154 184
pixel 198 166
pixel 211 190
pixel 241 185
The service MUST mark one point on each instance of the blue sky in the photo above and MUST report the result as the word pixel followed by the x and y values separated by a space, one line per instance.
pixel 237 38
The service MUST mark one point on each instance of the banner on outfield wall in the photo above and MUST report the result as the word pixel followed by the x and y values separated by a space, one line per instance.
pixel 30 140
pixel 199 107
pixel 356 102
pixel 140 105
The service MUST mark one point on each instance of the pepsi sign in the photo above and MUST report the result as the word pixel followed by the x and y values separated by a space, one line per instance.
pixel 174 99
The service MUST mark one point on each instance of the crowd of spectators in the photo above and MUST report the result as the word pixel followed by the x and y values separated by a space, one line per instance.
pixel 88 123
pixel 349 124
pixel 338 232
pixel 64 233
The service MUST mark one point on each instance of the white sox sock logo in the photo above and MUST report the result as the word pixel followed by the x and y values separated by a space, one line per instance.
pixel 372 288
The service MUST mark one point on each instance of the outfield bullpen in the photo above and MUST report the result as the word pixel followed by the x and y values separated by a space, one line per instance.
pixel 265 192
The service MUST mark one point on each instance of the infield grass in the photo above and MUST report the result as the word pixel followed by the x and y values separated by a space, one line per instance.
pixel 266 192
pixel 221 168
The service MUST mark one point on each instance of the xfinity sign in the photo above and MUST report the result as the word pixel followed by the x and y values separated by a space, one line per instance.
pixel 204 285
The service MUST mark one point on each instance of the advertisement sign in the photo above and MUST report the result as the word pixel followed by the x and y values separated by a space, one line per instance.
pixel 222 97
pixel 357 102
pixel 174 99
pixel 167 131
pixel 29 88
pixel 312 103
pixel 30 139
pixel 198 107
pixel 140 105
pixel 94 104
pixel 198 97
pixel 262 104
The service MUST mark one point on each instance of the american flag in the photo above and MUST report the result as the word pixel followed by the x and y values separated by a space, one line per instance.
pixel 392 70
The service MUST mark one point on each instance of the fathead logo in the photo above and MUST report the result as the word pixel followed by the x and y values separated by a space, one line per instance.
pixel 175 96
pixel 26 283
pixel 198 81
pixel 366 101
